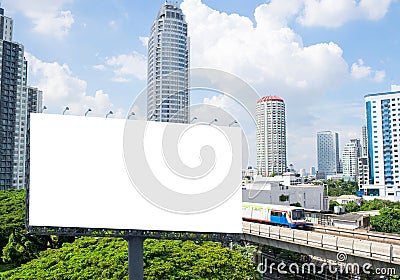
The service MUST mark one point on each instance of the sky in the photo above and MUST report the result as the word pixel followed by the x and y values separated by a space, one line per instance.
pixel 321 56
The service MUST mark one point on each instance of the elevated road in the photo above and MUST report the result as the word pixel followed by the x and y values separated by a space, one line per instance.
pixel 327 245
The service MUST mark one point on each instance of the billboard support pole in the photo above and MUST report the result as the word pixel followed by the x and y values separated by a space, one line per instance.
pixel 135 257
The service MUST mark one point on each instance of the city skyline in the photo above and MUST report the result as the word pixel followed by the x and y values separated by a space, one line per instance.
pixel 322 64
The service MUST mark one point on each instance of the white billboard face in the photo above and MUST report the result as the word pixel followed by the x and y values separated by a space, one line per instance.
pixel 119 174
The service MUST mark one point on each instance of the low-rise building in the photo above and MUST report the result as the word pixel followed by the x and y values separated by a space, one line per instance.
pixel 269 190
pixel 344 199
pixel 350 221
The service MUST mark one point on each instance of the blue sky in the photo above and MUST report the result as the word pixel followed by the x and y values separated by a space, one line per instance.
pixel 322 57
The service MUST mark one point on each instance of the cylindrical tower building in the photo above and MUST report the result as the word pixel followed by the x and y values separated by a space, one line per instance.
pixel 168 67
pixel 271 136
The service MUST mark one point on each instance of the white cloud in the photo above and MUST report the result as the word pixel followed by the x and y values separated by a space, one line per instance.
pixel 335 13
pixel 267 52
pixel 361 71
pixel 144 41
pixel 99 67
pixel 47 16
pixel 395 88
pixel 379 76
pixel 127 66
pixel 61 88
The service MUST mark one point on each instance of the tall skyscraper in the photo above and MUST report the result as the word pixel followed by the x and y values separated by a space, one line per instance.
pixel 168 67
pixel 383 130
pixel 14 108
pixel 271 136
pixel 351 152
pixel 328 153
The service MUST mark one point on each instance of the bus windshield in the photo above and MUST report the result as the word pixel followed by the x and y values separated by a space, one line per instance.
pixel 298 214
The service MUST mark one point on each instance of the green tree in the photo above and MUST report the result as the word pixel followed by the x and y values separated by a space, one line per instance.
pixel 332 204
pixel 340 187
pixel 105 258
pixel 297 204
pixel 190 260
pixel 387 221
pixel 12 214
pixel 378 204
pixel 248 251
pixel 351 206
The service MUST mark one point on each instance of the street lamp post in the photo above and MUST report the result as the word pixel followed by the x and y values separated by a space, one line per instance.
pixel 66 109
pixel 213 121
pixel 131 114
pixel 44 108
pixel 232 123
pixel 87 111
pixel 194 118
pixel 109 113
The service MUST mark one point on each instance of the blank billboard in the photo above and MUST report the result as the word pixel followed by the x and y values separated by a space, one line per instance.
pixel 126 174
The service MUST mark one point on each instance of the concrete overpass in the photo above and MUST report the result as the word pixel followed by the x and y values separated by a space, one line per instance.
pixel 326 245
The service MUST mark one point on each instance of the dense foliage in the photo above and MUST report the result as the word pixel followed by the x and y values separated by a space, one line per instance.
pixel 86 258
pixel 104 258
pixel 340 187
pixel 378 204
pixel 189 260
pixel 12 214
pixel 387 221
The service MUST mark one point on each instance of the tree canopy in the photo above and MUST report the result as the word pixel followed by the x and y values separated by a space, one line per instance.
pixel 387 221
pixel 341 187
pixel 12 215
pixel 105 258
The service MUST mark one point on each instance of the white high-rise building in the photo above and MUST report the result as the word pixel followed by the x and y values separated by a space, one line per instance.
pixel 168 67
pixel 328 153
pixel 271 136
pixel 351 152
pixel 30 101
pixel 383 130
